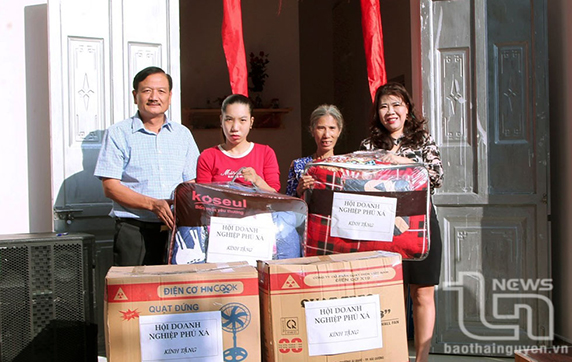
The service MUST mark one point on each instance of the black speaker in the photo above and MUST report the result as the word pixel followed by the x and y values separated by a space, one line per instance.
pixel 46 298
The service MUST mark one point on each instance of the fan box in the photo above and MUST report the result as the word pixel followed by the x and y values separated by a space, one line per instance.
pixel 199 312
pixel 335 308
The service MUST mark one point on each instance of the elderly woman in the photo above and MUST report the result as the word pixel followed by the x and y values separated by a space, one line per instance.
pixel 326 124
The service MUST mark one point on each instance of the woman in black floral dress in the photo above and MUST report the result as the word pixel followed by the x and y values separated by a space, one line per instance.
pixel 395 127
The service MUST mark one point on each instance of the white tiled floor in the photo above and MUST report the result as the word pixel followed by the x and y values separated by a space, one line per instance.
pixel 455 358
pixel 451 358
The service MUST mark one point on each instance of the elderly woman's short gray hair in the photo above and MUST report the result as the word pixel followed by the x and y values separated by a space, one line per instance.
pixel 325 110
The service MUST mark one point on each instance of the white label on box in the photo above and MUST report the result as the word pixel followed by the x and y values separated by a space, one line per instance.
pixel 248 239
pixel 343 325
pixel 363 217
pixel 184 336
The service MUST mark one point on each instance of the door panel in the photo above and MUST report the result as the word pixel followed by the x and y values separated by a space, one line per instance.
pixel 79 66
pixel 450 74
pixel 494 242
pixel 510 88
pixel 488 112
pixel 95 50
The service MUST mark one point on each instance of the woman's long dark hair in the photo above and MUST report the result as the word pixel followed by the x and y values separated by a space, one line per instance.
pixel 413 131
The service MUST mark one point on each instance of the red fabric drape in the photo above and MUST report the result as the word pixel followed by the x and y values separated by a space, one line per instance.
pixel 373 43
pixel 233 45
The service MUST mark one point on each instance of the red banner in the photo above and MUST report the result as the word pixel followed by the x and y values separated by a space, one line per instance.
pixel 233 44
pixel 373 44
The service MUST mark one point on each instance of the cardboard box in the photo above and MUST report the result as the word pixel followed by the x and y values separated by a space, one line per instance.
pixel 341 294
pixel 200 312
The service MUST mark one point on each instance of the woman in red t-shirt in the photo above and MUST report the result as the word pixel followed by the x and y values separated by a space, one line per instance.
pixel 222 162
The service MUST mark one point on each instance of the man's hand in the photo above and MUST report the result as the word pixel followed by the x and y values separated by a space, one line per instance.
pixel 162 208
pixel 123 195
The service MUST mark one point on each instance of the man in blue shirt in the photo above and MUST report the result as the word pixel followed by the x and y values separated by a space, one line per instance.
pixel 142 160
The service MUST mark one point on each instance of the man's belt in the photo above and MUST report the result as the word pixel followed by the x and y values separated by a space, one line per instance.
pixel 144 224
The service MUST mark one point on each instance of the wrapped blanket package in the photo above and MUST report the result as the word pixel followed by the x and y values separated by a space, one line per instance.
pixel 360 203
pixel 223 222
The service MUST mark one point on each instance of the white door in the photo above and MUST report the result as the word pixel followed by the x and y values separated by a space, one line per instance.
pixel 95 49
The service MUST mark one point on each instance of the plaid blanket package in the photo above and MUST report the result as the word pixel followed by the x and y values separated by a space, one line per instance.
pixel 360 203
pixel 222 222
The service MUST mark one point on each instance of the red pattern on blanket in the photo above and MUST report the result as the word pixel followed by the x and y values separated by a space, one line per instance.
pixel 409 184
